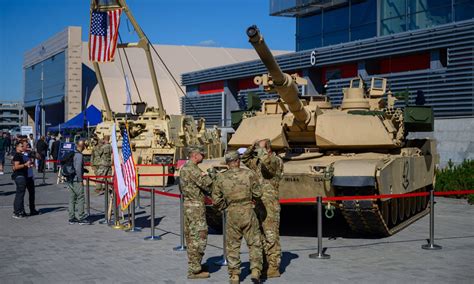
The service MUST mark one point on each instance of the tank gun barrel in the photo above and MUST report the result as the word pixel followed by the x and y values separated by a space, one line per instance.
pixel 283 82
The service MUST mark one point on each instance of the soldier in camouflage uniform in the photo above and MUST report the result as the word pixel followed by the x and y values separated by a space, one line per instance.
pixel 194 183
pixel 269 168
pixel 95 158
pixel 105 159
pixel 235 190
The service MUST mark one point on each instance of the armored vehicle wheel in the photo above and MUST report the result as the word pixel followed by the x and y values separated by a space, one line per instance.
pixel 401 209
pixel 394 211
pixel 386 211
pixel 419 202
pixel 413 205
pixel 407 202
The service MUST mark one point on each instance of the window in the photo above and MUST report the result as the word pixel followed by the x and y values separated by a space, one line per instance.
pixel 463 10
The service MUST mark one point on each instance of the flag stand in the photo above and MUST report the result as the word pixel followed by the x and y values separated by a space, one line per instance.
pixel 117 224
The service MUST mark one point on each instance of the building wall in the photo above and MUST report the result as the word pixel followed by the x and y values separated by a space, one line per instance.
pixel 11 115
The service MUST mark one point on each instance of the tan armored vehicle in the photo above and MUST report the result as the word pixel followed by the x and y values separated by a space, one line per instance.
pixel 359 148
pixel 155 137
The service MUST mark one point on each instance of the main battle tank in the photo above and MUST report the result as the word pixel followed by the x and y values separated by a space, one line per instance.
pixel 359 148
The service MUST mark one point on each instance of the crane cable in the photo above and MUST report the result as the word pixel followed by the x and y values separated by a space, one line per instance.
pixel 130 68
pixel 171 75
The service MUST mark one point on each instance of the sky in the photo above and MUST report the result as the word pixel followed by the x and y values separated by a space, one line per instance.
pixel 25 24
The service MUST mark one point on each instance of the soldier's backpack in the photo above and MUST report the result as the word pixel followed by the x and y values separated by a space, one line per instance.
pixel 67 166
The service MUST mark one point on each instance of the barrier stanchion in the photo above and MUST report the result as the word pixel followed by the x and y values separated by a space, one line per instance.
pixel 431 245
pixel 152 237
pixel 88 197
pixel 138 193
pixel 182 246
pixel 117 224
pixel 321 252
pixel 132 225
pixel 223 260
pixel 106 204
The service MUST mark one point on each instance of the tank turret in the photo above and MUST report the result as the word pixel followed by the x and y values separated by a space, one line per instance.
pixel 283 83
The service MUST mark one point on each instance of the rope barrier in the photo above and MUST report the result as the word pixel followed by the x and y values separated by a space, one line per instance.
pixel 161 192
pixel 156 175
pixel 156 165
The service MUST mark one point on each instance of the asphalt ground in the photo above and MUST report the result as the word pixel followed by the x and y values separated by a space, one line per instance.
pixel 46 249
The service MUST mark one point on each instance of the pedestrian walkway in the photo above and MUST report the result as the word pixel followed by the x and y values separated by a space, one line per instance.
pixel 46 249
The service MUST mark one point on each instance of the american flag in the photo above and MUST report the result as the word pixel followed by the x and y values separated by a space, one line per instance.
pixel 128 170
pixel 103 35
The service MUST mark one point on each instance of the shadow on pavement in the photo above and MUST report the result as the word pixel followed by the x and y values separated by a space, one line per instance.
pixel 43 184
pixel 286 258
pixel 9 183
pixel 52 209
pixel 7 193
pixel 211 264
pixel 144 222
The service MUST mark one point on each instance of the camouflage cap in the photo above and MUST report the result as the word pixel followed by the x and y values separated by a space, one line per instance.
pixel 196 149
pixel 231 156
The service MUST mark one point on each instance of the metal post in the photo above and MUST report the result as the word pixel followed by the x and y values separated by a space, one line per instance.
pixel 44 171
pixel 132 226
pixel 321 251
pixel 138 193
pixel 152 237
pixel 117 224
pixel 88 197
pixel 106 203
pixel 431 245
pixel 182 246
pixel 223 261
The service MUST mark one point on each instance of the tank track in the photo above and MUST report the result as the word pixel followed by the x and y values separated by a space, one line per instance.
pixel 365 217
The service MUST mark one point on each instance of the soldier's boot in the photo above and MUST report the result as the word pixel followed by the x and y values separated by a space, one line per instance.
pixel 234 279
pixel 273 272
pixel 199 275
pixel 255 275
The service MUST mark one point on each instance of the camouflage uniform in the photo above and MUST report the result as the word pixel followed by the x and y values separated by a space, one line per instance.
pixel 95 161
pixel 234 191
pixel 105 161
pixel 193 185
pixel 269 168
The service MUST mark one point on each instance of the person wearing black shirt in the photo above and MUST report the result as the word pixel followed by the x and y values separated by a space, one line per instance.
pixel 55 152
pixel 41 149
pixel 23 182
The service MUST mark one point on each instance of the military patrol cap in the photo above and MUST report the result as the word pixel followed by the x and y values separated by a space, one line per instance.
pixel 231 156
pixel 196 149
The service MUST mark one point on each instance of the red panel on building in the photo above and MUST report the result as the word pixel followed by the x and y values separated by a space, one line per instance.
pixel 339 71
pixel 405 63
pixel 211 87
pixel 247 83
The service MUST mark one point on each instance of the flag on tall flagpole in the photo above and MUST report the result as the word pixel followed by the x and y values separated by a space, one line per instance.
pixel 103 35
pixel 129 171
pixel 119 182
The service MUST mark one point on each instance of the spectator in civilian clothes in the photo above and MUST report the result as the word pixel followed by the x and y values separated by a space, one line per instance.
pixel 30 155
pixel 55 152
pixel 8 145
pixel 21 168
pixel 3 144
pixel 41 149
pixel 76 188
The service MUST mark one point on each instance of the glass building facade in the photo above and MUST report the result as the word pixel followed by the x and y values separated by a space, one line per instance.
pixel 345 21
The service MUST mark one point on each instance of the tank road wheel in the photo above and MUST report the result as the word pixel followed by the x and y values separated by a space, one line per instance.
pixel 407 202
pixel 413 205
pixel 393 210
pixel 386 211
pixel 424 199
pixel 418 201
pixel 401 209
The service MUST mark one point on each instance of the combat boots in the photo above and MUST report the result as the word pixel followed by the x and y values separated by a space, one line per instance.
pixel 273 272
pixel 255 276
pixel 199 275
pixel 234 279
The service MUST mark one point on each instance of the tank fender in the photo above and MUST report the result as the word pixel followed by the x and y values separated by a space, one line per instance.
pixel 355 173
